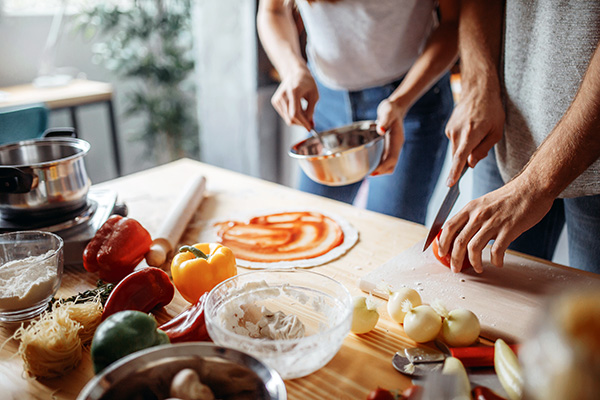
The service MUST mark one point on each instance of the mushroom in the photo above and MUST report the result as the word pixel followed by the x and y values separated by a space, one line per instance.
pixel 186 385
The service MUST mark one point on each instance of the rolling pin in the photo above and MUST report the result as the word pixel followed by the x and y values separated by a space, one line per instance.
pixel 176 221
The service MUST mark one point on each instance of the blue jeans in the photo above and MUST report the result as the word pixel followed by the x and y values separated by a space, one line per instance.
pixel 581 214
pixel 406 192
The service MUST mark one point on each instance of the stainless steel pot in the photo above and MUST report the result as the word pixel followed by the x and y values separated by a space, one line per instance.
pixel 43 176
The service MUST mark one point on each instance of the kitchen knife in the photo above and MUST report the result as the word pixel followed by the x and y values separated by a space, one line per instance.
pixel 444 210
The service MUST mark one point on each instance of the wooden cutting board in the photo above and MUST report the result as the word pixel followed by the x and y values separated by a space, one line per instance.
pixel 508 300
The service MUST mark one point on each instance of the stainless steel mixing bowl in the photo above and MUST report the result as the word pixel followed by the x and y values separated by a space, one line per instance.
pixel 147 374
pixel 353 152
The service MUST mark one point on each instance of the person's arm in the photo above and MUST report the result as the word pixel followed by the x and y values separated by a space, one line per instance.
pixel 477 122
pixel 279 37
pixel 438 56
pixel 502 215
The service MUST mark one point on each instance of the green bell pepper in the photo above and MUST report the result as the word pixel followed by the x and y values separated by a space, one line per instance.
pixel 124 333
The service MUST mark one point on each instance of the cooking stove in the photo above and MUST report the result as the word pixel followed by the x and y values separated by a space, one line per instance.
pixel 77 227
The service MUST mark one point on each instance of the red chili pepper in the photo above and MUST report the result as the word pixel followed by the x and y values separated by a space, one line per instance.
pixel 189 325
pixel 142 290
pixel 116 248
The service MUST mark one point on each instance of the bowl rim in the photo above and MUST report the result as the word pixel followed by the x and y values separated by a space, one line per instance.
pixel 347 315
pixel 372 143
pixel 102 381
pixel 58 250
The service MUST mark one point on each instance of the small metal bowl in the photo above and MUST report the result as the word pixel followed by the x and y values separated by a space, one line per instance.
pixel 353 152
pixel 147 374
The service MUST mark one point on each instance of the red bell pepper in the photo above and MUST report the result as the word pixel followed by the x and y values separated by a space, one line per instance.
pixel 142 290
pixel 189 325
pixel 116 248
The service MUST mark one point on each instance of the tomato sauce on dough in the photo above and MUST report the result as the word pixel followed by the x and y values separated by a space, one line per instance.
pixel 285 236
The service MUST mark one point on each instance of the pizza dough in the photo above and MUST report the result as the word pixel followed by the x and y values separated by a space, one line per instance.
pixel 283 238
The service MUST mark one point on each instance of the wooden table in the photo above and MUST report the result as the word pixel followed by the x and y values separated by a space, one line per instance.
pixel 77 93
pixel 362 364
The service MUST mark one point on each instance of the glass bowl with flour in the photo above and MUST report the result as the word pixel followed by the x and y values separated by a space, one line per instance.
pixel 293 320
pixel 31 267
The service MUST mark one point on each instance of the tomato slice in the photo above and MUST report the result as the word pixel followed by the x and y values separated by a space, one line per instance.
pixel 435 247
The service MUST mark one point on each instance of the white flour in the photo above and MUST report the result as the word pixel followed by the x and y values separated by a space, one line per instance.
pixel 25 282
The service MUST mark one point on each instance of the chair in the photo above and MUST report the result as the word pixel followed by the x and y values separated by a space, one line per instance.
pixel 22 122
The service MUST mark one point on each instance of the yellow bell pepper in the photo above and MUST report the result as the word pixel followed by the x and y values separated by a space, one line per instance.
pixel 199 268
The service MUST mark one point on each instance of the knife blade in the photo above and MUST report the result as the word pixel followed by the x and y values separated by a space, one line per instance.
pixel 444 210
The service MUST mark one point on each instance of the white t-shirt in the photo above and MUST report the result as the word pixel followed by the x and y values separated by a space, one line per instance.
pixel 357 44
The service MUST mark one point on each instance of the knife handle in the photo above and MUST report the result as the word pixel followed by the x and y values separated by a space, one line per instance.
pixel 477 356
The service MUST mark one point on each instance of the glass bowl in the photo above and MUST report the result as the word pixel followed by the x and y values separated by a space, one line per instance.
pixel 31 268
pixel 322 304
pixel 148 374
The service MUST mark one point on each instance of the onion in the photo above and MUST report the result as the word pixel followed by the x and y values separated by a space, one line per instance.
pixel 421 323
pixel 460 327
pixel 396 299
pixel 365 315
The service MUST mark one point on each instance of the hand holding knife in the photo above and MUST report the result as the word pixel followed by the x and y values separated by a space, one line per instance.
pixel 444 210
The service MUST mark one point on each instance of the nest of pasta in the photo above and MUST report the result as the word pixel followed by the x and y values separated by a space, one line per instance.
pixel 52 345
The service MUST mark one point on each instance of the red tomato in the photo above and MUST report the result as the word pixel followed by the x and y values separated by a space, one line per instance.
pixel 412 392
pixel 380 394
pixel 435 246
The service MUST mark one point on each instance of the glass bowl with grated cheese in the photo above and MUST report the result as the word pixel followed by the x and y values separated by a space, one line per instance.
pixel 31 267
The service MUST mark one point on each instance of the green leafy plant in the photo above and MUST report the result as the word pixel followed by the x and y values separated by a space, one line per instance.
pixel 149 42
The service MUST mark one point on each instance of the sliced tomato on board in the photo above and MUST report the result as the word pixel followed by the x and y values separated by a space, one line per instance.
pixel 435 247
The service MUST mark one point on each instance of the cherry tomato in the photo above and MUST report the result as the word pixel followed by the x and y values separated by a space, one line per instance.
pixel 435 246
pixel 380 394
pixel 412 392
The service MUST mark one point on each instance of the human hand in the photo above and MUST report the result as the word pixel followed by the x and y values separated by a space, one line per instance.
pixel 501 215
pixel 390 118
pixel 287 99
pixel 476 124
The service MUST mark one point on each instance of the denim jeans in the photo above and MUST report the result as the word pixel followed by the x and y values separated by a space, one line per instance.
pixel 581 214
pixel 406 192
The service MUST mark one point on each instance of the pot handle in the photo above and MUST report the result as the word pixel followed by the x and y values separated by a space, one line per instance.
pixel 15 180
pixel 59 132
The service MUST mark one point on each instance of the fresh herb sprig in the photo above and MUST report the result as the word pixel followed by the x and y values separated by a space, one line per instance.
pixel 102 290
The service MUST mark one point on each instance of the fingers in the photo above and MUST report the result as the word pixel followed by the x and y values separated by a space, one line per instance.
pixel 390 159
pixel 482 149
pixel 498 250
pixel 475 248
pixel 288 100
pixel 280 105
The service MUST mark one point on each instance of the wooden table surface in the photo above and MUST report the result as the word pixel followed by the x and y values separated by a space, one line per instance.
pixel 364 361
pixel 75 93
